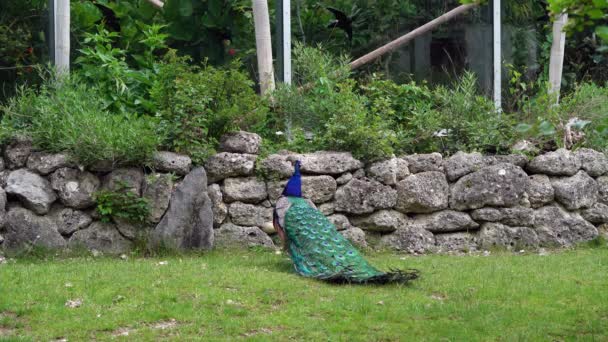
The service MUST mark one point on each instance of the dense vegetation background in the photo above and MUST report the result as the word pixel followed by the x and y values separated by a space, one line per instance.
pixel 145 79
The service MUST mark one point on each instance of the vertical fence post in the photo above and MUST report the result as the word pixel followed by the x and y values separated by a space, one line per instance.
pixel 496 23
pixel 283 28
pixel 59 14
pixel 556 62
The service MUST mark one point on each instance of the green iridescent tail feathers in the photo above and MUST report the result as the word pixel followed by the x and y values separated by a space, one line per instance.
pixel 319 251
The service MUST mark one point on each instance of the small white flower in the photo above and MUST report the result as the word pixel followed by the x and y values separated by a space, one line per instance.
pixel 279 133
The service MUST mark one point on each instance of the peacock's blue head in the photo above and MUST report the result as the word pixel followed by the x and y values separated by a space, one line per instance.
pixel 294 185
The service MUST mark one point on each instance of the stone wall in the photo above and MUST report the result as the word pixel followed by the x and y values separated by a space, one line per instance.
pixel 416 204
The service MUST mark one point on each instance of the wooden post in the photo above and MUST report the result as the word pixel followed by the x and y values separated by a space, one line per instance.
pixel 60 35
pixel 263 44
pixel 556 63
pixel 397 43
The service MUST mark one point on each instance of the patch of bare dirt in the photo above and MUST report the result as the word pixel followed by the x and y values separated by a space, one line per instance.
pixel 160 325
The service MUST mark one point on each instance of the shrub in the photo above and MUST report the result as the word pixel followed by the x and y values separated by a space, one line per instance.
pixel 197 105
pixel 68 116
pixel 122 203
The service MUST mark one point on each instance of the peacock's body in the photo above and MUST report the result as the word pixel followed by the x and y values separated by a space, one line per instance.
pixel 317 249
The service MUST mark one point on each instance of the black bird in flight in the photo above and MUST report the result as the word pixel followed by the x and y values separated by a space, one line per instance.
pixel 342 21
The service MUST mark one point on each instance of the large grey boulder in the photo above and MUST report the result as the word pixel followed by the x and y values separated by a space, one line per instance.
pixel 540 191
pixel 456 242
pixel 556 226
pixel 517 216
pixel 45 163
pixel 499 235
pixel 17 152
pixel 597 214
pixel 230 235
pixel 558 163
pixel 69 220
pixel 422 193
pixel 328 163
pixel 445 221
pixel 277 166
pixel 362 196
pixel 389 171
pixel 340 221
pixel 76 189
pixel 32 190
pixel 461 164
pixel 575 192
pixel 409 240
pixel 319 189
pixel 171 162
pixel 157 191
pixel 593 162
pixel 188 223
pixel 219 208
pixel 602 183
pixel 24 229
pixel 382 221
pixel 487 214
pixel 132 178
pixel 356 236
pixel 244 214
pixel 424 162
pixel 500 185
pixel 240 142
pixel 515 159
pixel 248 190
pixel 101 237
pixel 226 164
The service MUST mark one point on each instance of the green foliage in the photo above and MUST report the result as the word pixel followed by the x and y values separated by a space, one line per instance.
pixel 581 119
pixel 584 13
pixel 123 83
pixel 122 203
pixel 68 116
pixel 197 105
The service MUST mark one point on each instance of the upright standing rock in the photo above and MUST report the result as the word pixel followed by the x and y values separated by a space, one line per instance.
pixel 188 223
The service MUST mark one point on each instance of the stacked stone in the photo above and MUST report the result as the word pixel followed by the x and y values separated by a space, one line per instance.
pixel 47 200
pixel 424 203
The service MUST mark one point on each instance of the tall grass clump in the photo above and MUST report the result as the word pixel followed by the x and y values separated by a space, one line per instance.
pixel 68 116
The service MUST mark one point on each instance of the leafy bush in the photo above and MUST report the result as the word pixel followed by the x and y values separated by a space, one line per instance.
pixel 122 203
pixel 581 119
pixel 124 86
pixel 68 116
pixel 197 105
pixel 323 110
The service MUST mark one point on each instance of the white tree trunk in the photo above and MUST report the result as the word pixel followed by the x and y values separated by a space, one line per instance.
pixel 556 64
pixel 61 50
pixel 263 44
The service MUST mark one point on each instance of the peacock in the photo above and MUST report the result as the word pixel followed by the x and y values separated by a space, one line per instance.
pixel 316 247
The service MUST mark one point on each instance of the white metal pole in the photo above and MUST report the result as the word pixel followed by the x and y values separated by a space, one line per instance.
pixel 497 22
pixel 60 32
pixel 263 45
pixel 286 40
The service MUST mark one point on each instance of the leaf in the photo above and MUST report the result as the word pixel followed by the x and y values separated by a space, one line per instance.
pixel 523 128
pixel 602 32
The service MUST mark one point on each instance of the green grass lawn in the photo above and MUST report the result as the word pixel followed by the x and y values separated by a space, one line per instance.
pixel 254 295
